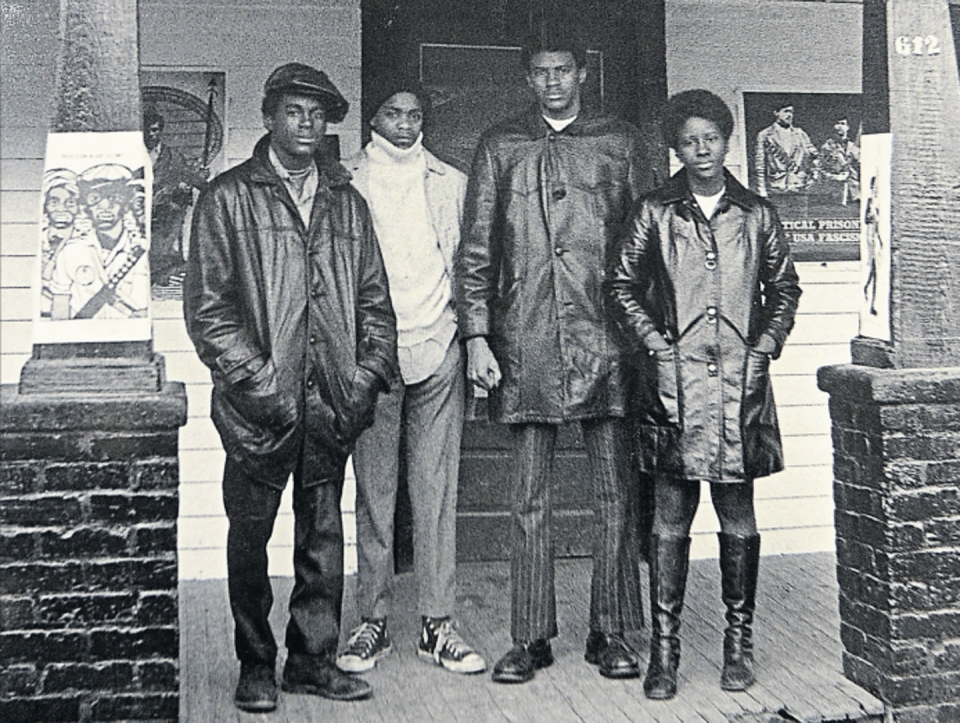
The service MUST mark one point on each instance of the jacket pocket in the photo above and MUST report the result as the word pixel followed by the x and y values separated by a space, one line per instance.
pixel 359 408
pixel 756 382
pixel 762 450
pixel 260 401
pixel 668 385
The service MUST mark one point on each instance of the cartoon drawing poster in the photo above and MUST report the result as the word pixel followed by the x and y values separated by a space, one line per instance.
pixel 93 280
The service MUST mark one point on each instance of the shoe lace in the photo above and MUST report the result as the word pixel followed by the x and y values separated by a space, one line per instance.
pixel 448 639
pixel 363 639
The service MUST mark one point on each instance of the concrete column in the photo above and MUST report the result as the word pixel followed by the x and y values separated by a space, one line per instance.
pixel 896 410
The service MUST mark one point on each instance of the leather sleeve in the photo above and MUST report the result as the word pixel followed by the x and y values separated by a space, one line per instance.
pixel 477 258
pixel 630 275
pixel 376 321
pixel 213 309
pixel 779 282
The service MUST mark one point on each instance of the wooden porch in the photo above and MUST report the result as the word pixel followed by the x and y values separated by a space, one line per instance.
pixel 797 655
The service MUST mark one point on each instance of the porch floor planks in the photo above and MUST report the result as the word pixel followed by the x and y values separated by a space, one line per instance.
pixel 818 619
pixel 798 656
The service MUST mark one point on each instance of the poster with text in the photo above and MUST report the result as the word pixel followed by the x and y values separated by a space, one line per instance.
pixel 93 279
pixel 804 155
pixel 875 236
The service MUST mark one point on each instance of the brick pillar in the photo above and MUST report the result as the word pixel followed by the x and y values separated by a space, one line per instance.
pixel 896 437
pixel 896 412
pixel 88 564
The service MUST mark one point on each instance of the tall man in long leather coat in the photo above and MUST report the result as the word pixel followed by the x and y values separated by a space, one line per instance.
pixel 548 193
pixel 287 303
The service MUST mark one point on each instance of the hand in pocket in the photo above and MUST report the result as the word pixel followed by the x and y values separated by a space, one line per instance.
pixel 259 400
pixel 668 384
pixel 361 405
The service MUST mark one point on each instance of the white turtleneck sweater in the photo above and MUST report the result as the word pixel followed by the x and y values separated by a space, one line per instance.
pixel 393 184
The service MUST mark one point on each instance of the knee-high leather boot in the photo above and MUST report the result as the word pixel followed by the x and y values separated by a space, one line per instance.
pixel 739 561
pixel 669 559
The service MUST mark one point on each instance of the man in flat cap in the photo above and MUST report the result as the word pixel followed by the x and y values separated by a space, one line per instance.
pixel 416 201
pixel 286 301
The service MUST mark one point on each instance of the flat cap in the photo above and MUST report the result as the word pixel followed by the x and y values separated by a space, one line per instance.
pixel 302 79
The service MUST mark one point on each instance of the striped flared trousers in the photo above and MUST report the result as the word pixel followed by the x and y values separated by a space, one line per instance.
pixel 615 602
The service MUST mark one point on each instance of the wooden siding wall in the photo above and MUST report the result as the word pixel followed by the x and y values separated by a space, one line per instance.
pixel 247 38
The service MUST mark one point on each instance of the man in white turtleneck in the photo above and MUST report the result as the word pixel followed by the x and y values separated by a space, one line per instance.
pixel 416 202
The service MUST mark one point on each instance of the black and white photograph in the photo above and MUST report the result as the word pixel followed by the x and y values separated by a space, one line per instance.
pixel 544 361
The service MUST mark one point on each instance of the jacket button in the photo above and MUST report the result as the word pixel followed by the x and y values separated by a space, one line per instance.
pixel 552 137
pixel 313 339
pixel 711 314
pixel 315 294
pixel 558 251
pixel 559 194
pixel 712 369
pixel 710 265
pixel 310 383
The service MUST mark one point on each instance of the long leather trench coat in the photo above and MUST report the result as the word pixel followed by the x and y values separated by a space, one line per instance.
pixel 712 288
pixel 543 211
pixel 295 323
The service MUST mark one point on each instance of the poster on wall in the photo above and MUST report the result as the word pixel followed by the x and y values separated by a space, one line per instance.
pixel 93 280
pixel 183 132
pixel 877 152
pixel 804 155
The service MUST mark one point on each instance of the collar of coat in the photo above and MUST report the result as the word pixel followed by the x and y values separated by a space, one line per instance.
pixel 677 190
pixel 332 174
pixel 531 123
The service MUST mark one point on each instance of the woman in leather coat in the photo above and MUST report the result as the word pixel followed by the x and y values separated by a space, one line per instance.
pixel 703 282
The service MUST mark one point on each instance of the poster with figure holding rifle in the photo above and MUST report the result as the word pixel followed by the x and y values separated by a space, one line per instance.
pixel 93 278
pixel 803 153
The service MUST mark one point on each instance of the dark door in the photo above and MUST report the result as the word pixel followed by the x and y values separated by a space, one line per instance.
pixel 467 56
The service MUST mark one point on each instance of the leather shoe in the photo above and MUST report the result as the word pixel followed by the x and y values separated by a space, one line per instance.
pixel 316 675
pixel 257 688
pixel 522 661
pixel 612 654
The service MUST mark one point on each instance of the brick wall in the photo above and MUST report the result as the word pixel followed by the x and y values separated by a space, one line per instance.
pixel 896 438
pixel 88 556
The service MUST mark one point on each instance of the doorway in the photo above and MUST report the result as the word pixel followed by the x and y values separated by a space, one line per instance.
pixel 467 57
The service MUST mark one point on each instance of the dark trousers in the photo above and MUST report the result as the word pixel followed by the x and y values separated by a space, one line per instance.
pixel 316 600
pixel 615 602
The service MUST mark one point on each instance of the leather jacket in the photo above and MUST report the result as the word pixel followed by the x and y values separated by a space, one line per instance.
pixel 543 211
pixel 295 323
pixel 711 289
